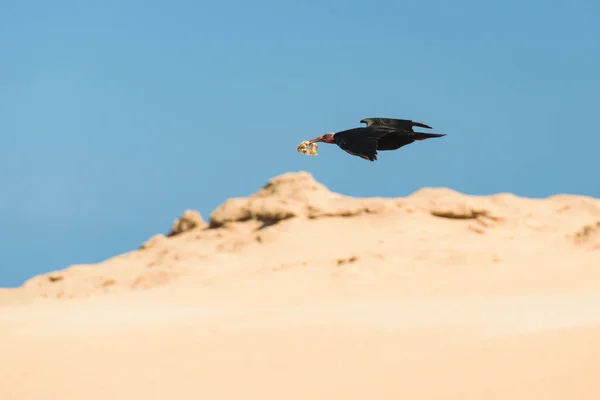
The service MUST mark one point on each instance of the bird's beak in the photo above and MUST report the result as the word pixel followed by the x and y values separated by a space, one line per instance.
pixel 317 139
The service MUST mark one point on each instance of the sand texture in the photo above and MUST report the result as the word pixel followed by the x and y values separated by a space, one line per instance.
pixel 296 292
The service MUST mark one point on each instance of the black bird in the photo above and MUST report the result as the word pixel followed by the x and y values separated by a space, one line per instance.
pixel 379 134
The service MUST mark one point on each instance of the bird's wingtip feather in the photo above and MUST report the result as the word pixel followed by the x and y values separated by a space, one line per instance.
pixel 421 125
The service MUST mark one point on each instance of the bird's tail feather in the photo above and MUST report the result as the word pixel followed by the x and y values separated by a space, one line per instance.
pixel 424 135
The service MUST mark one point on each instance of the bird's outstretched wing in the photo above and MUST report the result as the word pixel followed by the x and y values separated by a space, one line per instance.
pixel 393 123
pixel 360 142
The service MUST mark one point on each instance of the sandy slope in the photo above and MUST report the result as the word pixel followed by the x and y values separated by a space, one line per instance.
pixel 300 293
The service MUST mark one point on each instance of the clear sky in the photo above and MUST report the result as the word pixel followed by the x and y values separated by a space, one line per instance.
pixel 116 116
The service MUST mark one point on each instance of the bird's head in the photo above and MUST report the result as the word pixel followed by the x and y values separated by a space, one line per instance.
pixel 326 138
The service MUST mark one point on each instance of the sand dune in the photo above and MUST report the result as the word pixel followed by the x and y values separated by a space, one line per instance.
pixel 297 292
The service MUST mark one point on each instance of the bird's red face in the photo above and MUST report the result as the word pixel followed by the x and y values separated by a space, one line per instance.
pixel 326 138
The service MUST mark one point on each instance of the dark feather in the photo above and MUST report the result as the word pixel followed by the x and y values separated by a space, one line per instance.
pixel 393 123
pixel 393 142
pixel 361 142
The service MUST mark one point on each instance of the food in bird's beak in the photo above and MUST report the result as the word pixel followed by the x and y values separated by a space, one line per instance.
pixel 307 147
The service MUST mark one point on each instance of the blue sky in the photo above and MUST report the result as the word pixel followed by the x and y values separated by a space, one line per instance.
pixel 116 116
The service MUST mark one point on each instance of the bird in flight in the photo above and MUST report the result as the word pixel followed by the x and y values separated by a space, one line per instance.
pixel 379 134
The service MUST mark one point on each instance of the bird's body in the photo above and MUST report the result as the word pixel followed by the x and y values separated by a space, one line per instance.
pixel 379 134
